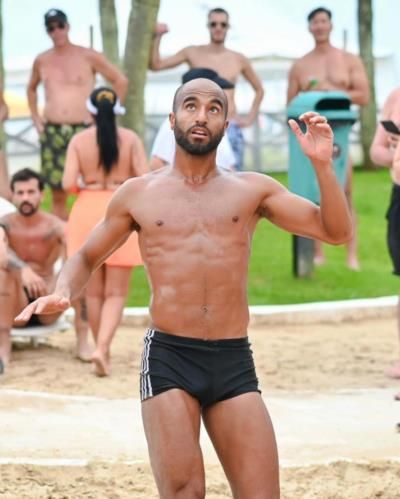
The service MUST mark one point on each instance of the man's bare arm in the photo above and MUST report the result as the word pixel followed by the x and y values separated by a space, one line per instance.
pixel 382 147
pixel 331 222
pixel 359 90
pixel 110 72
pixel 105 238
pixel 3 107
pixel 293 84
pixel 156 63
pixel 32 96
pixel 251 76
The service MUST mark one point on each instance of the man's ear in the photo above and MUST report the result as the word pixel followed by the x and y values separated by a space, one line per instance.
pixel 172 120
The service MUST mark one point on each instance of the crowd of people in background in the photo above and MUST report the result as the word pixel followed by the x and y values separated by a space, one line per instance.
pixel 85 152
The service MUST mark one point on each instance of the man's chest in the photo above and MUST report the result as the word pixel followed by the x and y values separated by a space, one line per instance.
pixel 31 245
pixel 331 68
pixel 226 64
pixel 195 213
pixel 66 70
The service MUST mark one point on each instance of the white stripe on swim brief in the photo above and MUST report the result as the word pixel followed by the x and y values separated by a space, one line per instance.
pixel 145 381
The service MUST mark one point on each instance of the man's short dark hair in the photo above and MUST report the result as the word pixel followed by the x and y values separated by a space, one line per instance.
pixel 24 175
pixel 217 10
pixel 319 10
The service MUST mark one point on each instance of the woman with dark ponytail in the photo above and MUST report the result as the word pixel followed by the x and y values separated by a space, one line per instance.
pixel 99 159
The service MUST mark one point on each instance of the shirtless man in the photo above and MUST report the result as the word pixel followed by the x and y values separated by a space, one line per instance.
pixel 4 189
pixel 329 68
pixel 385 152
pixel 31 241
pixel 68 74
pixel 227 63
pixel 195 241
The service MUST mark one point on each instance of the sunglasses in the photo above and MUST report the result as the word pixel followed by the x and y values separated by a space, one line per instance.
pixel 53 27
pixel 214 24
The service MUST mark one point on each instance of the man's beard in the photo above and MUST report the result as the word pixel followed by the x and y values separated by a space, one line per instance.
pixel 196 148
pixel 27 212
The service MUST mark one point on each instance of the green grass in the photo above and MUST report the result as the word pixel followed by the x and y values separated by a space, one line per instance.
pixel 270 273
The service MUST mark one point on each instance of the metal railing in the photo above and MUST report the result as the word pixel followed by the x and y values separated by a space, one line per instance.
pixel 265 141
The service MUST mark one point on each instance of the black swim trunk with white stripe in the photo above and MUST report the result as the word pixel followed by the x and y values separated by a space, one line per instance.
pixel 209 370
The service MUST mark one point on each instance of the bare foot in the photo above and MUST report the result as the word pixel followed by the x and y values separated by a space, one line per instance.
pixel 101 364
pixel 84 352
pixel 353 264
pixel 319 260
pixel 394 371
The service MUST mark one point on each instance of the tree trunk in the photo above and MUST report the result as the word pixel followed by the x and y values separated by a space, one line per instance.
pixel 368 112
pixel 141 23
pixel 109 31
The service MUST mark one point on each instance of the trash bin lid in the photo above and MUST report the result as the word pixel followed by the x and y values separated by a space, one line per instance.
pixel 334 105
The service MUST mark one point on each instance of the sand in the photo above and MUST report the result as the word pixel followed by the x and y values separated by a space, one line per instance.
pixel 321 358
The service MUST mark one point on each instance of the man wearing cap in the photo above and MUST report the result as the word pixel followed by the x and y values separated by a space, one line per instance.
pixel 163 150
pixel 229 64
pixel 67 72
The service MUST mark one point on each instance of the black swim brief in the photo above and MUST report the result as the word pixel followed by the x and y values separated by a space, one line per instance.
pixel 209 370
pixel 393 228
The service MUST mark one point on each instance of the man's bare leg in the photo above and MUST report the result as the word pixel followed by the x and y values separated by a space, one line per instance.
pixel 172 426
pixel 319 256
pixel 242 433
pixel 116 289
pixel 83 350
pixel 394 370
pixel 352 258
pixel 59 203
pixel 12 300
pixel 5 191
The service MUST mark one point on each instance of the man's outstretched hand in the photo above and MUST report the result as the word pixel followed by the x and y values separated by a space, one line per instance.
pixel 50 304
pixel 317 141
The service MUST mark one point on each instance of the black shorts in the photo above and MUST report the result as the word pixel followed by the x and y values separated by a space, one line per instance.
pixel 393 228
pixel 209 370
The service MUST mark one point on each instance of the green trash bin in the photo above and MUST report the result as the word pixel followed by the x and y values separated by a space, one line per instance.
pixel 336 107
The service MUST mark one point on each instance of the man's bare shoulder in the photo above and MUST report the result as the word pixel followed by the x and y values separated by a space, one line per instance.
pixel 394 97
pixel 43 57
pixel 351 58
pixel 5 220
pixel 53 222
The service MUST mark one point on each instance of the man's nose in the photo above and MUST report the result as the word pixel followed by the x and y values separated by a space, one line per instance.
pixel 201 115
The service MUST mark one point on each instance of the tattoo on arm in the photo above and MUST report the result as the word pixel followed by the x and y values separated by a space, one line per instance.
pixel 14 262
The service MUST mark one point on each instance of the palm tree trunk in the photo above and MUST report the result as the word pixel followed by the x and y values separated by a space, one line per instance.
pixel 141 23
pixel 368 112
pixel 109 30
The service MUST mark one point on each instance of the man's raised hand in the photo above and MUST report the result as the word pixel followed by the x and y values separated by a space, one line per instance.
pixel 317 141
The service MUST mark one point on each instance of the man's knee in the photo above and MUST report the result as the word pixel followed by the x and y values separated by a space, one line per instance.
pixel 184 487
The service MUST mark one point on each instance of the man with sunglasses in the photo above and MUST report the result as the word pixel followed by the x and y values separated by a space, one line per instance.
pixel 68 74
pixel 227 63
